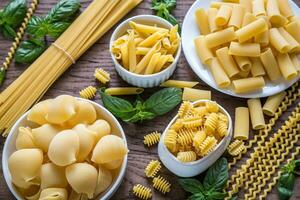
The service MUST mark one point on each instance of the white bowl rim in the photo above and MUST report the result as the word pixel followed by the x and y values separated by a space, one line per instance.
pixel 196 162
pixel 112 188
pixel 117 30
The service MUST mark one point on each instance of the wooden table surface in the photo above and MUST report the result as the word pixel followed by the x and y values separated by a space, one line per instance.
pixel 81 75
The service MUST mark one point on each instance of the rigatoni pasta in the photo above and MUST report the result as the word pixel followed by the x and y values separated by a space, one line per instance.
pixel 242 123
pixel 248 84
pixel 256 114
pixel 272 103
pixel 202 21
pixel 190 94
pixel 228 63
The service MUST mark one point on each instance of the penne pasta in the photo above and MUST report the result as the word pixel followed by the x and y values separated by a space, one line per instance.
pixel 152 39
pixel 270 64
pixel 131 53
pixel 142 50
pixel 227 62
pixel 257 68
pixel 179 84
pixel 150 69
pixel 115 91
pixel 223 15
pixel 146 29
pixel 191 94
pixel 272 103
pixel 242 123
pixel 286 66
pixel 219 74
pixel 251 30
pixel 166 43
pixel 244 63
pixel 163 60
pixel 220 37
pixel 205 54
pixel 174 33
pixel 202 21
pixel 244 49
pixel 256 114
pixel 124 55
pixel 278 41
pixel 248 84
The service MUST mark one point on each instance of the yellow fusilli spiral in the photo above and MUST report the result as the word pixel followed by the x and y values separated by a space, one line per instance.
pixel 88 93
pixel 102 75
pixel 211 123
pixel 186 138
pixel 198 139
pixel 161 184
pixel 170 140
pixel 222 129
pixel 192 122
pixel 177 125
pixel 152 138
pixel 212 107
pixel 223 118
pixel 142 192
pixel 200 111
pixel 20 34
pixel 187 156
pixel 185 109
pixel 208 145
pixel 152 168
pixel 236 147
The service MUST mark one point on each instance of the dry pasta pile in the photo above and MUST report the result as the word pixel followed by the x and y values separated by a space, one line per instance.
pixel 197 131
pixel 146 49
pixel 97 19
pixel 244 43
pixel 68 147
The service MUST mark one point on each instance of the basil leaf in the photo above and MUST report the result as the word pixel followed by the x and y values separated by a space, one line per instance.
pixel 57 28
pixel 65 11
pixel 29 51
pixel 2 75
pixel 215 195
pixel 284 193
pixel 8 32
pixel 163 101
pixel 198 196
pixel 191 185
pixel 217 175
pixel 141 116
pixel 287 180
pixel 15 12
pixel 37 27
pixel 118 107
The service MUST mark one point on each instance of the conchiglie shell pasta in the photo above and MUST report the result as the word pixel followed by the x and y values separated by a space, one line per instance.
pixel 109 148
pixel 24 166
pixel 54 194
pixel 64 148
pixel 101 128
pixel 53 176
pixel 61 109
pixel 83 178
pixel 104 180
pixel 38 112
pixel 24 139
pixel 85 113
pixel 86 141
pixel 113 164
pixel 75 196
pixel 44 134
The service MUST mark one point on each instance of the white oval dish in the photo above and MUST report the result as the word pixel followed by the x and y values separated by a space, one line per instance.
pixel 145 81
pixel 190 31
pixel 196 167
pixel 9 148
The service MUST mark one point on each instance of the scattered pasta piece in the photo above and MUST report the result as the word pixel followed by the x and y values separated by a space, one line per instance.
pixel 142 192
pixel 161 184
pixel 188 156
pixel 124 91
pixel 236 148
pixel 179 84
pixel 101 75
pixel 191 94
pixel 152 168
pixel 88 93
pixel 152 138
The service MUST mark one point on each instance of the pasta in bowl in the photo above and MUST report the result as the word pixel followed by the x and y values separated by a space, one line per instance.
pixel 65 147
pixel 195 138
pixel 145 50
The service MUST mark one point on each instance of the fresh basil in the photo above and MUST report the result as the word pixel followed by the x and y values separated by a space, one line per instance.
pixel 37 27
pixel 29 51
pixel 213 183
pixel 64 11
pixel 159 103
pixel 11 17
pixel 164 100
pixel 2 75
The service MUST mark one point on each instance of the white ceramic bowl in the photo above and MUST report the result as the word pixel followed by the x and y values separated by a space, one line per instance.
pixel 145 81
pixel 196 167
pixel 191 31
pixel 9 148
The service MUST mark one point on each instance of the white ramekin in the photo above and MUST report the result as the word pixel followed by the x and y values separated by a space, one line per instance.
pixel 193 168
pixel 145 81
pixel 9 148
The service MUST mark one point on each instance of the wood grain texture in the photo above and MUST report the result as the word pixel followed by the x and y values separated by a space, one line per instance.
pixel 81 75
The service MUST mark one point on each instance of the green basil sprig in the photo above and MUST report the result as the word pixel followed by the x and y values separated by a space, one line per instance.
pixel 213 183
pixel 159 103
pixel 53 24
pixel 11 17
pixel 287 179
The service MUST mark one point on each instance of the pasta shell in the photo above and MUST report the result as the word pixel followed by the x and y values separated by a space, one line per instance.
pixel 53 176
pixel 38 112
pixel 54 194
pixel 24 166
pixel 85 113
pixel 61 109
pixel 75 196
pixel 33 195
pixel 113 164
pixel 109 148
pixel 64 148
pixel 101 128
pixel 83 178
pixel 104 180
pixel 24 139
pixel 86 141
pixel 44 134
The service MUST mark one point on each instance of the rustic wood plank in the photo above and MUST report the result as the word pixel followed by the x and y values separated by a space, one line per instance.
pixel 80 76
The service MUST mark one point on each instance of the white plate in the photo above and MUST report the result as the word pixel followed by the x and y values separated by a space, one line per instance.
pixel 190 31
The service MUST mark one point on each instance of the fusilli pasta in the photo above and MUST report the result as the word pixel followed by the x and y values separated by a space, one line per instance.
pixel 152 168
pixel 152 138
pixel 102 75
pixel 161 184
pixel 88 93
pixel 142 192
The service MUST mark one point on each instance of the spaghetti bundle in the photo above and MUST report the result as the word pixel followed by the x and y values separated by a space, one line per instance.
pixel 91 25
